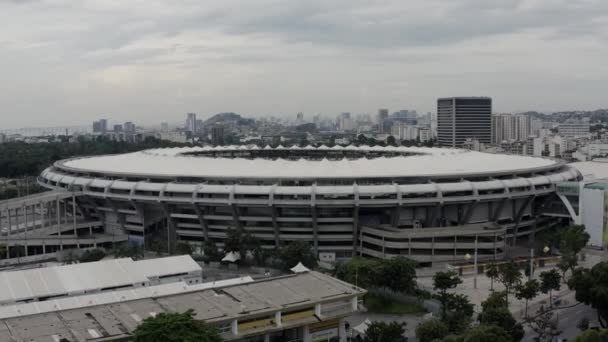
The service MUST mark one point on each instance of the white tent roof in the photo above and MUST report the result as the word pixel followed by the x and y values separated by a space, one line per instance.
pixel 232 257
pixel 299 268
pixel 362 328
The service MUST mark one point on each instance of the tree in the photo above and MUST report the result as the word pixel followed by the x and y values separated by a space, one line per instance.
pixel 583 324
pixel 183 248
pixel 431 330
pixel 492 272
pixel 176 327
pixel 496 312
pixel 397 274
pixel 385 332
pixel 545 326
pixel 211 251
pixel 458 312
pixel 485 333
pixel 529 290
pixel 593 336
pixel 509 276
pixel 443 281
pixel 362 272
pixel 92 255
pixel 591 286
pixel 295 252
pixel 568 261
pixel 550 281
pixel 573 239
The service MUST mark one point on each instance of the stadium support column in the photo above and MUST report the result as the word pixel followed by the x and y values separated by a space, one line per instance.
pixel 201 219
pixel 519 215
pixel 171 228
pixel 355 228
pixel 58 216
pixel 315 231
pixel 275 226
pixel 498 211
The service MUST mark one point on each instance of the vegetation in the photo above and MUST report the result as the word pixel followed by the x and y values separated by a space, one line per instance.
pixel 385 332
pixel 485 333
pixel 21 159
pixel 176 327
pixel 495 312
pixel 442 282
pixel 397 274
pixel 545 326
pixel 510 276
pixel 527 291
pixel 384 305
pixel 591 286
pixel 593 336
pixel 211 252
pixel 550 281
pixel 295 252
pixel 128 251
pixel 183 248
pixel 492 272
pixel 92 255
pixel 431 330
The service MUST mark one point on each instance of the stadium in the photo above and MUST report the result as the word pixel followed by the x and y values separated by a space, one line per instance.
pixel 429 204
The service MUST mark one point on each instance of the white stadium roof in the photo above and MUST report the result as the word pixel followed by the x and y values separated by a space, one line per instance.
pixel 592 170
pixel 428 162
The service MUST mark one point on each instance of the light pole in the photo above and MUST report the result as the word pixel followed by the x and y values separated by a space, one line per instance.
pixel 467 257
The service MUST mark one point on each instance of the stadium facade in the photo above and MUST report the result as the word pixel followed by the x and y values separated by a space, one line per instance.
pixel 430 204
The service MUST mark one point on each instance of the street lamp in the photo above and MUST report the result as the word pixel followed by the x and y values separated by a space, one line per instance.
pixel 546 249
pixel 467 257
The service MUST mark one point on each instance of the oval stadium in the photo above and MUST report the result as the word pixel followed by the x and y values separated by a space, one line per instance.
pixel 430 204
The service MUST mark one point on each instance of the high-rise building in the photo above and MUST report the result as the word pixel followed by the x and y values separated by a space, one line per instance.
pixel 345 122
pixel 573 128
pixel 129 127
pixel 510 127
pixel 217 135
pixel 199 125
pixel 117 128
pixel 100 126
pixel 382 120
pixel 191 122
pixel 300 118
pixel 462 118
pixel 164 127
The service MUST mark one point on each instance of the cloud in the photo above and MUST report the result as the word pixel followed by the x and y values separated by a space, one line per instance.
pixel 151 60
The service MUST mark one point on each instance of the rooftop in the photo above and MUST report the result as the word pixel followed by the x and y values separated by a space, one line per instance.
pixel 78 279
pixel 218 304
pixel 422 162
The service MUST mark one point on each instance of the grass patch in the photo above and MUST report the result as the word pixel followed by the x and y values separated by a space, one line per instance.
pixel 381 305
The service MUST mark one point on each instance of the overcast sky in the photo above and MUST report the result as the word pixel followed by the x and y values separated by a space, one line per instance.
pixel 71 61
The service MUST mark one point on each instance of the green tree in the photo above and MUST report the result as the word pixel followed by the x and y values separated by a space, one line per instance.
pixel 567 262
pixel 458 312
pixel 397 274
pixel 545 326
pixel 431 330
pixel 183 248
pixel 442 282
pixel 573 239
pixel 527 291
pixel 359 271
pixel 510 277
pixel 549 282
pixel 486 333
pixel 492 272
pixel 92 255
pixel 496 312
pixel 176 327
pixel 295 252
pixel 593 336
pixel 591 286
pixel 385 332
pixel 211 251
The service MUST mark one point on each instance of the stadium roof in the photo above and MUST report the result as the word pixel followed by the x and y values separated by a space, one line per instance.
pixel 591 170
pixel 425 162
pixel 77 279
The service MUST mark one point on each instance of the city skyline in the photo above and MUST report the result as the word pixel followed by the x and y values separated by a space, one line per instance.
pixel 154 60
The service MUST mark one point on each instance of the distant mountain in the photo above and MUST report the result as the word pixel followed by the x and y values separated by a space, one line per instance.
pixel 229 118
